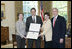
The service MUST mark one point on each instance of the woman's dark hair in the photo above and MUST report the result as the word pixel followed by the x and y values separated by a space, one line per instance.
pixel 19 14
pixel 33 9
pixel 47 13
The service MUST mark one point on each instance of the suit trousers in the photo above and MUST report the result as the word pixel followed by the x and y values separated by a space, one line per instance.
pixel 37 43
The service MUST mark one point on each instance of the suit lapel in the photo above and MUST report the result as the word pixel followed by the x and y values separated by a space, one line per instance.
pixel 56 21
pixel 52 22
pixel 32 20
pixel 36 19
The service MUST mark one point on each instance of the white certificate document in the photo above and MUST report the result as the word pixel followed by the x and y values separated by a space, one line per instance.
pixel 33 31
pixel 34 27
pixel 32 35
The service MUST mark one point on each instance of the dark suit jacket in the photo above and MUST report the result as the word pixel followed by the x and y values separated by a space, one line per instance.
pixel 59 29
pixel 29 20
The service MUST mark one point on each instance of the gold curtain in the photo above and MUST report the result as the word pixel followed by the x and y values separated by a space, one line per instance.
pixel 69 11
pixel 47 6
pixel 18 8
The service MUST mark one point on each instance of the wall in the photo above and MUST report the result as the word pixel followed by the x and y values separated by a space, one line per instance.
pixel 10 17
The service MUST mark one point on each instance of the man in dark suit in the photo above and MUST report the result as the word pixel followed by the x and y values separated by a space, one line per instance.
pixel 59 30
pixel 33 19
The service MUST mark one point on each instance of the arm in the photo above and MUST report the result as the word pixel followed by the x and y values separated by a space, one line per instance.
pixel 41 21
pixel 27 25
pixel 42 29
pixel 63 25
pixel 42 32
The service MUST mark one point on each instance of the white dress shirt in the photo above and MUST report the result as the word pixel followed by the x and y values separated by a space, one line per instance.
pixel 34 17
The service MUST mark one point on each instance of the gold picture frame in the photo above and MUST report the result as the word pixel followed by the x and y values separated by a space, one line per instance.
pixel 3 11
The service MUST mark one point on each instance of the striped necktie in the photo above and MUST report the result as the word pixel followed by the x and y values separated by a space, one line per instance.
pixel 54 21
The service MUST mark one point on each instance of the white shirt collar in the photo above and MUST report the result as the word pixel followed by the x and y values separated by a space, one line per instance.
pixel 56 16
pixel 33 16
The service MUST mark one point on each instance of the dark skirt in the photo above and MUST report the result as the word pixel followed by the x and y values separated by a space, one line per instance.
pixel 20 42
pixel 47 44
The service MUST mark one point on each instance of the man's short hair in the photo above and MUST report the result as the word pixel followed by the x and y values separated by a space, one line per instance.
pixel 33 9
pixel 55 8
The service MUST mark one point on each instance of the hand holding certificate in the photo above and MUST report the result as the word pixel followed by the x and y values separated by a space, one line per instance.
pixel 33 31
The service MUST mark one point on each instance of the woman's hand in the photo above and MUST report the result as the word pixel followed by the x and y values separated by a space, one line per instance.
pixel 40 35
pixel 41 29
pixel 25 37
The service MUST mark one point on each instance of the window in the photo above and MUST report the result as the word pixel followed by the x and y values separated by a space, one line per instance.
pixel 62 7
pixel 27 5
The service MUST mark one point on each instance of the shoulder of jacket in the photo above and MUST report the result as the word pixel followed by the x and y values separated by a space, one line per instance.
pixel 38 16
pixel 29 17
pixel 61 17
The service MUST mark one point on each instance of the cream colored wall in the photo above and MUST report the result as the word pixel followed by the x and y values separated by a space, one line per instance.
pixel 10 17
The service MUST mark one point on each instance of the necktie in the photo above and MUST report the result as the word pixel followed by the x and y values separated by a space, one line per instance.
pixel 54 21
pixel 33 19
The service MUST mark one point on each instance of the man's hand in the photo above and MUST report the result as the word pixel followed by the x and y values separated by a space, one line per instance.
pixel 61 40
